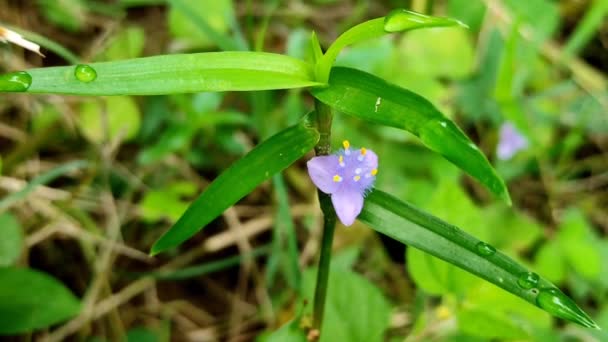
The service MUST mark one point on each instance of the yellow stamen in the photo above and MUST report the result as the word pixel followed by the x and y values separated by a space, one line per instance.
pixel 337 178
pixel 346 144
pixel 363 151
pixel 374 172
pixel 341 160
pixel 356 178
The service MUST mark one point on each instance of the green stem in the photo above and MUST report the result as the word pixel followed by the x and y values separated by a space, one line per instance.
pixel 323 123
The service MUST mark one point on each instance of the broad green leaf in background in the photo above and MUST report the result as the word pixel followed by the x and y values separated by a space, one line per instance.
pixel 202 24
pixel 550 261
pixel 488 311
pixel 128 43
pixel 579 246
pixel 169 74
pixel 370 98
pixel 111 118
pixel 290 331
pixel 11 239
pixel 443 52
pixel 31 300
pixel 166 202
pixel 436 276
pixel 67 14
pixel 411 226
pixel 356 309
pixel 266 159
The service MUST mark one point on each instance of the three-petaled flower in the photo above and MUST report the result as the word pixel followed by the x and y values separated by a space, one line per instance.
pixel 510 141
pixel 347 176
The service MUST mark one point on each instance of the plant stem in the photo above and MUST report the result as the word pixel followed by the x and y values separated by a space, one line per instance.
pixel 329 225
pixel 323 123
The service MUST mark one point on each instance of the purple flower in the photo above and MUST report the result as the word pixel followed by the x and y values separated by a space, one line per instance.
pixel 510 142
pixel 347 176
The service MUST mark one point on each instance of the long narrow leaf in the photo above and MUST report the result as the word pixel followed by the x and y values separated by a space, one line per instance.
pixel 270 157
pixel 371 98
pixel 168 74
pixel 411 226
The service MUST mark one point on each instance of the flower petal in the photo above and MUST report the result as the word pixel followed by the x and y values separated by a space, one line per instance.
pixel 511 141
pixel 321 170
pixel 348 204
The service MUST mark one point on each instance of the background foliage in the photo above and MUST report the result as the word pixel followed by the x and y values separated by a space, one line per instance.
pixel 89 183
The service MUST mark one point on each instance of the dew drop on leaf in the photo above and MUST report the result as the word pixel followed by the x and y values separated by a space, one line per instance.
pixel 484 249
pixel 18 81
pixel 555 302
pixel 528 280
pixel 85 73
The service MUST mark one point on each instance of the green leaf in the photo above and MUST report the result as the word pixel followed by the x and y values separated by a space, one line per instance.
pixel 488 324
pixel 11 239
pixel 440 52
pixel 356 309
pixel 166 202
pixel 170 74
pixel 370 98
pixel 398 20
pixel 505 314
pixel 578 245
pixel 411 226
pixel 203 24
pixel 436 276
pixel 129 43
pixel 270 157
pixel 587 28
pixel 118 115
pixel 550 261
pixel 67 14
pixel 31 300
pixel 290 331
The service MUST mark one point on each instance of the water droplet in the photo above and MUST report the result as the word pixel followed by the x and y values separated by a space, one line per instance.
pixel 528 280
pixel 85 73
pixel 485 249
pixel 556 303
pixel 18 81
pixel 401 20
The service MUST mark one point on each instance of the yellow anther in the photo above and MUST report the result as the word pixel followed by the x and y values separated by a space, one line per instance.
pixel 341 160
pixel 374 172
pixel 363 151
pixel 443 312
pixel 346 144
pixel 337 178
pixel 356 178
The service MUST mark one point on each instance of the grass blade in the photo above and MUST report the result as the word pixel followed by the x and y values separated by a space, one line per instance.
pixel 370 98
pixel 169 74
pixel 266 159
pixel 409 225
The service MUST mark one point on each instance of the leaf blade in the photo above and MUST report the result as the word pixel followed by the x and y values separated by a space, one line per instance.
pixel 261 163
pixel 180 73
pixel 409 225
pixel 32 300
pixel 370 98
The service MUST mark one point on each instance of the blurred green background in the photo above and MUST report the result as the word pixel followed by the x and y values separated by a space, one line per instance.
pixel 88 184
